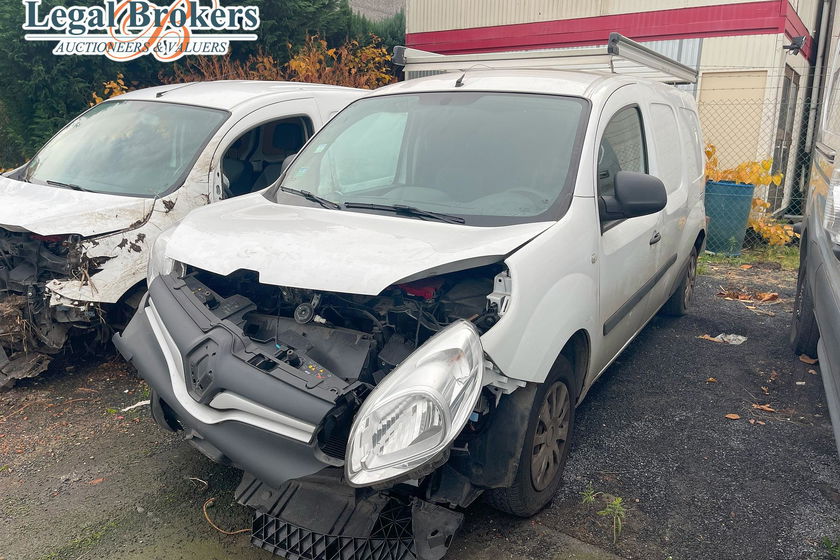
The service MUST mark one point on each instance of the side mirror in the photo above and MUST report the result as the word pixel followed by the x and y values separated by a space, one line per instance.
pixel 636 194
pixel 286 163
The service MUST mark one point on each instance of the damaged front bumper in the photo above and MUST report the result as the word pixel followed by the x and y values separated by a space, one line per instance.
pixel 205 381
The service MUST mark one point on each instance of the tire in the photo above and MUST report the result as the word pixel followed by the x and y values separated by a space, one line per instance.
pixel 532 488
pixel 680 301
pixel 804 333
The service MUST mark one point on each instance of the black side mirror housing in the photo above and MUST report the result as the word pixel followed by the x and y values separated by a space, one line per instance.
pixel 636 194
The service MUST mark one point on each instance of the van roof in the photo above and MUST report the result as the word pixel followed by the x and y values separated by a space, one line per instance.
pixel 227 94
pixel 578 83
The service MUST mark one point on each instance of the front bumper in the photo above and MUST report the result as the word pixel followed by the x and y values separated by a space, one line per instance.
pixel 304 509
pixel 274 448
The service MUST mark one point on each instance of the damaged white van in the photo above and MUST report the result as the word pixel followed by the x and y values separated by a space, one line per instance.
pixel 407 319
pixel 78 221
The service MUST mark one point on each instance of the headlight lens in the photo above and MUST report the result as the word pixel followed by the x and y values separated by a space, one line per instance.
pixel 159 263
pixel 418 409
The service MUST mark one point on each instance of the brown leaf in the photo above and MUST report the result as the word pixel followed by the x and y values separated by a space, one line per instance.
pixel 746 266
pixel 751 420
pixel 766 296
pixel 766 390
pixel 812 371
pixel 808 359
pixel 760 422
pixel 764 407
pixel 711 380
pixel 707 337
pixel 733 416
pixel 96 481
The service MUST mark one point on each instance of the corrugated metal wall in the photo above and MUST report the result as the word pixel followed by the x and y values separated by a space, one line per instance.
pixel 439 15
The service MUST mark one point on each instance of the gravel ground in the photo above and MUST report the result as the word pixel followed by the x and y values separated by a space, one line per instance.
pixel 81 480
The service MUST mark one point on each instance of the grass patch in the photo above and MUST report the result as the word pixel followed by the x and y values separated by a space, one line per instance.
pixel 88 539
pixel 831 547
pixel 787 257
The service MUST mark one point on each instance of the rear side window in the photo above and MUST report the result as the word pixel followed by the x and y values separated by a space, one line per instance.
pixel 666 138
pixel 691 131
pixel 622 149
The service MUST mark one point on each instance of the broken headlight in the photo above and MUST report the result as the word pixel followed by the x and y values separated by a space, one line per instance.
pixel 159 263
pixel 418 409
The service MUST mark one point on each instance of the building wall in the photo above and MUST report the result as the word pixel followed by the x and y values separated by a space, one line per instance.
pixel 437 15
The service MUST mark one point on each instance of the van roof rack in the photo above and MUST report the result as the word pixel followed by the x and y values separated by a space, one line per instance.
pixel 620 56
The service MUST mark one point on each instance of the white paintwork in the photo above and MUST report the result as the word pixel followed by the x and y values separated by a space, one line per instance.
pixel 566 275
pixel 124 228
pixel 330 250
pixel 47 210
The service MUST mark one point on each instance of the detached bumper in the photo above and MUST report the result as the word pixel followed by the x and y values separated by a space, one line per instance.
pixel 220 434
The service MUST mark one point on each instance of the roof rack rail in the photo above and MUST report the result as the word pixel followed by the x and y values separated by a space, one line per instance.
pixel 620 56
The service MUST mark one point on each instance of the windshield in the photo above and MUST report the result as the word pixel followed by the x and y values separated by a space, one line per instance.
pixel 139 148
pixel 490 158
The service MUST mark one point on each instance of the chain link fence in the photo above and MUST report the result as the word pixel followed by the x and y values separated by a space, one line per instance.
pixel 774 135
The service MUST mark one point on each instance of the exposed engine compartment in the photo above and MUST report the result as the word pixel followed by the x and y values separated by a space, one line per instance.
pixel 28 333
pixel 349 336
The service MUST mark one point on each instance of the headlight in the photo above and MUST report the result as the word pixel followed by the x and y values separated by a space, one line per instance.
pixel 159 263
pixel 418 409
pixel 831 216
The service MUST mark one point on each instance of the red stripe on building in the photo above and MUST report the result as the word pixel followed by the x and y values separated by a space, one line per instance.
pixel 750 18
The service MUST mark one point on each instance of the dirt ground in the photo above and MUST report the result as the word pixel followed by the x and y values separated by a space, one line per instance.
pixel 80 479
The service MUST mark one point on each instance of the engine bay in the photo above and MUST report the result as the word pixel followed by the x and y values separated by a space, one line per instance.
pixel 352 337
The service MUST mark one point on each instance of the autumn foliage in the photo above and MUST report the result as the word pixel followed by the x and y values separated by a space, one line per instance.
pixel 351 64
pixel 756 173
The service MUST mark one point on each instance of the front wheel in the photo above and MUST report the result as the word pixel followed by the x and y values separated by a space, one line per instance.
pixel 543 456
pixel 680 300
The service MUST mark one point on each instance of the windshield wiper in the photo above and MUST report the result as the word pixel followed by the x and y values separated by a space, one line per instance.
pixel 313 197
pixel 65 185
pixel 408 211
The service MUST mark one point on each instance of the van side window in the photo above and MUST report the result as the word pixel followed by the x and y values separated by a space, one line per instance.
pixel 622 149
pixel 254 160
pixel 669 147
pixel 691 126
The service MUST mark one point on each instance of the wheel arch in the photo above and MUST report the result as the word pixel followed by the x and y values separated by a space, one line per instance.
pixel 577 351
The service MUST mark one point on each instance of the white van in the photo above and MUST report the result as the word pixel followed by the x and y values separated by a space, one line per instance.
pixel 408 318
pixel 78 221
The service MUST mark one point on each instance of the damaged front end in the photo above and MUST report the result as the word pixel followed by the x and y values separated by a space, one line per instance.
pixel 32 331
pixel 351 415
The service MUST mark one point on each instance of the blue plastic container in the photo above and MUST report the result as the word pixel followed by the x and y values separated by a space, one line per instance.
pixel 728 208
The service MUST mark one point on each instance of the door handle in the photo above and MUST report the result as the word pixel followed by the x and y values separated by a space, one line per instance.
pixel 657 237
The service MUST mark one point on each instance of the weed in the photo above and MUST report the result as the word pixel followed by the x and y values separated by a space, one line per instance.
pixel 588 496
pixel 89 538
pixel 832 547
pixel 145 392
pixel 787 257
pixel 615 509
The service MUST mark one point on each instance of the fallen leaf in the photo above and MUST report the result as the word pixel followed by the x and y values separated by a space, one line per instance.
pixel 812 371
pixel 733 416
pixel 96 481
pixel 760 422
pixel 774 375
pixel 751 420
pixel 808 359
pixel 711 380
pixel 766 296
pixel 766 390
pixel 746 266
pixel 707 337
pixel 764 407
